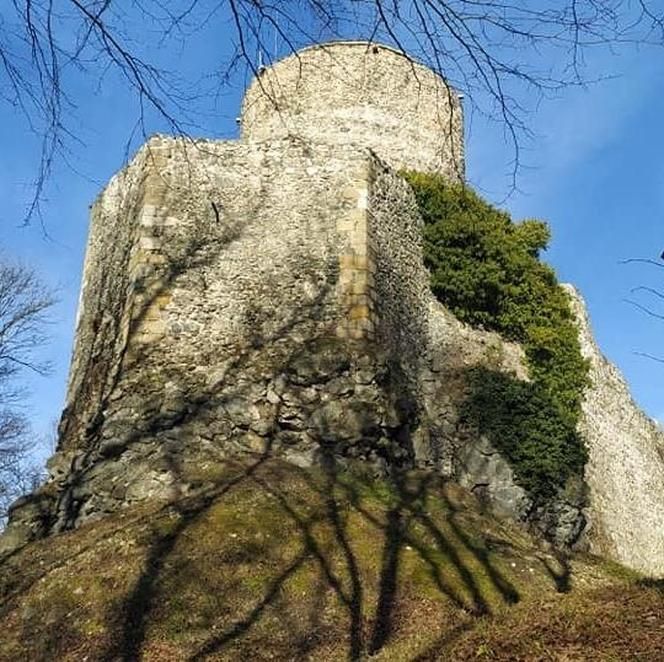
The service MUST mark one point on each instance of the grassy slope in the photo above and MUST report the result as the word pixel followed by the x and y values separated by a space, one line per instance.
pixel 277 562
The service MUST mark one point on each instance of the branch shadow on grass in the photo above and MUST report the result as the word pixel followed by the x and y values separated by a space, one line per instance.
pixel 371 612
pixel 330 552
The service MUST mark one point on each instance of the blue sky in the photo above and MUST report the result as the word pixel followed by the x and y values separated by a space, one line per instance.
pixel 595 173
pixel 593 170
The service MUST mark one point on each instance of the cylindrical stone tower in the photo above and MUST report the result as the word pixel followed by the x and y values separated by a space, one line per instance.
pixel 364 94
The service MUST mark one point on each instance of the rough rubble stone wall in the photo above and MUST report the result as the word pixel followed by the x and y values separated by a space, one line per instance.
pixel 107 292
pixel 401 283
pixel 625 469
pixel 235 248
pixel 451 448
pixel 247 291
pixel 363 94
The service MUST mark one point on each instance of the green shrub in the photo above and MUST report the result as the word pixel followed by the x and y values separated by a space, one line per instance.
pixel 486 270
pixel 526 427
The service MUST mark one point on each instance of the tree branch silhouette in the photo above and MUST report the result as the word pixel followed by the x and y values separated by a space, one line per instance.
pixel 504 56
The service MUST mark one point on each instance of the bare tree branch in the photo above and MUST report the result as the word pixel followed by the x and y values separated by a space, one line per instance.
pixel 650 356
pixel 644 309
pixel 24 307
pixel 505 56
pixel 643 260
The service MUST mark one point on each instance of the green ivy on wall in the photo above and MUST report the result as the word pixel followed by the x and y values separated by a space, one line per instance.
pixel 487 271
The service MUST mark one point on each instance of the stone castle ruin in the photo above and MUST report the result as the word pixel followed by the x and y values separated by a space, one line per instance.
pixel 268 296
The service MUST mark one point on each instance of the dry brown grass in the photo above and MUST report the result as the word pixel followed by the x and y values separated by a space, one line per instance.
pixel 281 563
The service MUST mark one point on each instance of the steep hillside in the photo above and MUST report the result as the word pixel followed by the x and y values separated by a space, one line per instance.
pixel 270 561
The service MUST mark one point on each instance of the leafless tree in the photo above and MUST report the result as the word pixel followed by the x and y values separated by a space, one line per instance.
pixel 504 55
pixel 24 306
pixel 646 299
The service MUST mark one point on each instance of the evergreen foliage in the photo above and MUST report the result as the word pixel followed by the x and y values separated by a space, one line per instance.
pixel 487 271
pixel 528 428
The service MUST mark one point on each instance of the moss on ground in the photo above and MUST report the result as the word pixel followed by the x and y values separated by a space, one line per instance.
pixel 276 562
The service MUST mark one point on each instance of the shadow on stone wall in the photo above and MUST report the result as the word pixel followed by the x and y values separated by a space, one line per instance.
pixel 87 427
pixel 114 326
pixel 323 395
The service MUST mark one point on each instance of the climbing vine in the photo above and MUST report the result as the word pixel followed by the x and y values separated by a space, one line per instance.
pixel 487 270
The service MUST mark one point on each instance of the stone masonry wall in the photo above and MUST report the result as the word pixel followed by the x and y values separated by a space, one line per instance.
pixel 430 353
pixel 235 258
pixel 106 298
pixel 625 469
pixel 242 219
pixel 401 283
pixel 364 94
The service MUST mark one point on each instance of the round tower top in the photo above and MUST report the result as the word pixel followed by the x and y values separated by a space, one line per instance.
pixel 361 93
